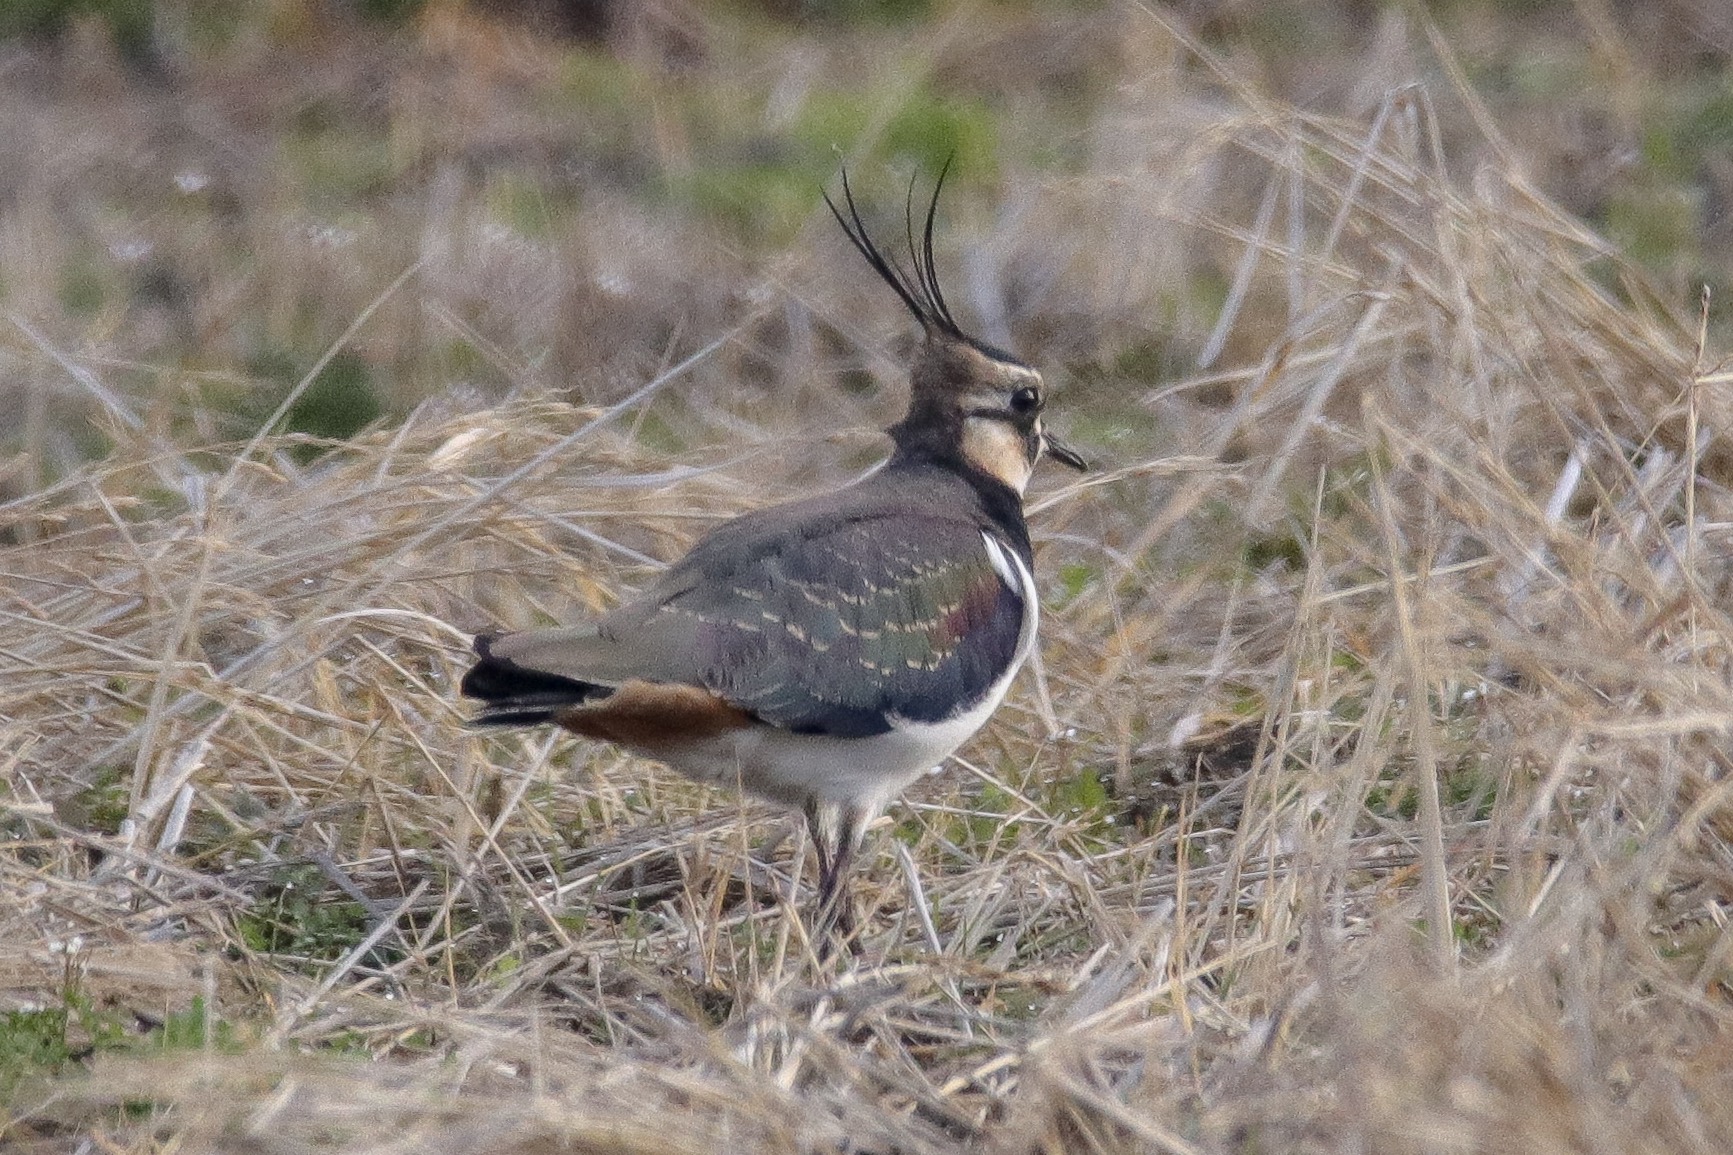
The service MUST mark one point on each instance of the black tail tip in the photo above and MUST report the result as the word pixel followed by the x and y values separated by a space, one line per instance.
pixel 489 678
pixel 511 716
pixel 514 695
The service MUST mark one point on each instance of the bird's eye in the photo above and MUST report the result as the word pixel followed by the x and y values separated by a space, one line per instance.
pixel 1026 400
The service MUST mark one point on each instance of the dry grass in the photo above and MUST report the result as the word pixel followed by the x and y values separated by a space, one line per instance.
pixel 1408 685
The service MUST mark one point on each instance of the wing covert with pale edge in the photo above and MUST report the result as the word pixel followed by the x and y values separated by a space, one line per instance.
pixel 845 632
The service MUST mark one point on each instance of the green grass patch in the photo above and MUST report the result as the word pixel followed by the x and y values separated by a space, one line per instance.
pixel 341 400
pixel 296 916
pixel 101 806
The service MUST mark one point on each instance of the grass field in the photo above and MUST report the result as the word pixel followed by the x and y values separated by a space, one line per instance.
pixel 1370 795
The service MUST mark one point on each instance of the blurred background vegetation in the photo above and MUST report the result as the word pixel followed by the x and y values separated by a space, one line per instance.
pixel 1295 273
pixel 198 199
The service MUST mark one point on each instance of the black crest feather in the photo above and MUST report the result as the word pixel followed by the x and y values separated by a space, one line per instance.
pixel 920 290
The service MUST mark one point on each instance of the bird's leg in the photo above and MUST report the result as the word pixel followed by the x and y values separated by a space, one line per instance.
pixel 836 832
pixel 836 908
pixel 819 822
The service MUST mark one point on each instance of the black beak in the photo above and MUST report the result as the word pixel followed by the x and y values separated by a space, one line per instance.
pixel 1062 453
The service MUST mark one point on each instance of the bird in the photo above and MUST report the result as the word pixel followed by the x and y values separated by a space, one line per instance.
pixel 824 653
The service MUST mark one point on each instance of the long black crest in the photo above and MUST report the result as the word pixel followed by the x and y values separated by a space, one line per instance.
pixel 920 292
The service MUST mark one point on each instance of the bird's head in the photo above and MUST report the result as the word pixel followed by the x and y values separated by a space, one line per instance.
pixel 966 397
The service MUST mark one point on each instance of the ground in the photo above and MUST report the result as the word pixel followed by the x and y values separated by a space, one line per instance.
pixel 1370 791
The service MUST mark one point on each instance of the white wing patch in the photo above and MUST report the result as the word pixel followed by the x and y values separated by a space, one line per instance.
pixel 1015 574
pixel 1001 561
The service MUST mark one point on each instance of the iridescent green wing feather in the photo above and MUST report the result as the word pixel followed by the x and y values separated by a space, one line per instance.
pixel 846 631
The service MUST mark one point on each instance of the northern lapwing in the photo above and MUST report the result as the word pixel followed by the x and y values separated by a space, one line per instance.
pixel 825 653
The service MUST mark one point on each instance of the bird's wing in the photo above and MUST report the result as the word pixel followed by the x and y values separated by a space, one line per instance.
pixel 839 630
